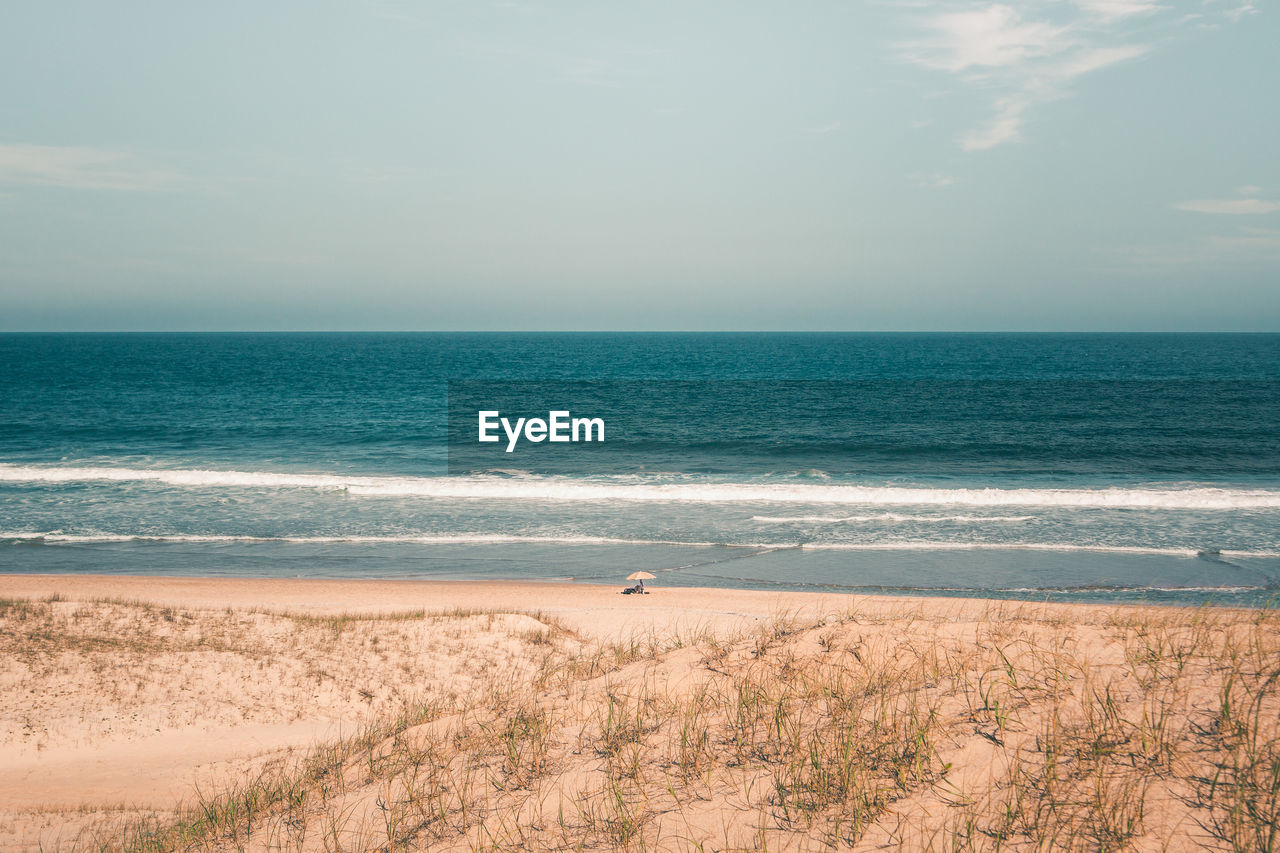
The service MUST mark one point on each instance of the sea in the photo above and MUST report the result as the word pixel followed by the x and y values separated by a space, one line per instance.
pixel 1074 467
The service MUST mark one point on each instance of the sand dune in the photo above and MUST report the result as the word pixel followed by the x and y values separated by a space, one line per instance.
pixel 143 713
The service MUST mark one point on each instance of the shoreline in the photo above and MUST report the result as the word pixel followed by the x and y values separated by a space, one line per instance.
pixel 985 574
pixel 382 596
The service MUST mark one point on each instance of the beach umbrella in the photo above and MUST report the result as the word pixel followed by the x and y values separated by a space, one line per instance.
pixel 640 576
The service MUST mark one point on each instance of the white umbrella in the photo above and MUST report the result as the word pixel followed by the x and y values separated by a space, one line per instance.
pixel 640 576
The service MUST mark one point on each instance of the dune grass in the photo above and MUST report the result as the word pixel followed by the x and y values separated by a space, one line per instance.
pixel 1021 728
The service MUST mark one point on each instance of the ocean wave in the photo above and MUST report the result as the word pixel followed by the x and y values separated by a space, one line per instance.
pixel 58 537
pixel 884 516
pixel 355 539
pixel 570 489
pixel 1108 588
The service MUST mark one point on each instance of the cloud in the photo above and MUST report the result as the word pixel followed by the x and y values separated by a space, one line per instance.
pixel 1004 127
pixel 1246 247
pixel 1249 238
pixel 1115 9
pixel 1096 59
pixel 1025 58
pixel 1237 12
pixel 1010 112
pixel 931 180
pixel 83 169
pixel 994 37
pixel 1248 189
pixel 829 127
pixel 1230 206
pixel 391 10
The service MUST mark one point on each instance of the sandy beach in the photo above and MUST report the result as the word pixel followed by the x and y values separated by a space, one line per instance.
pixel 199 713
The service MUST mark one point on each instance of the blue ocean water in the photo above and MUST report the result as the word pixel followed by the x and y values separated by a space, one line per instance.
pixel 1095 467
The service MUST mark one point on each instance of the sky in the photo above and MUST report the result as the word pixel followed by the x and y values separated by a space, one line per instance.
pixel 1108 165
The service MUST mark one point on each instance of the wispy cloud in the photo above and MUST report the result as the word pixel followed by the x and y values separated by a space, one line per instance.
pixel 1229 206
pixel 1241 246
pixel 1116 9
pixel 1005 126
pixel 822 129
pixel 931 180
pixel 392 10
pixel 1241 10
pixel 1267 239
pixel 1246 247
pixel 1095 59
pixel 1050 83
pixel 84 169
pixel 1025 59
pixel 990 37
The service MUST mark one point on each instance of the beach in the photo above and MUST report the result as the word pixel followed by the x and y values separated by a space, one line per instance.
pixel 215 713
pixel 704 428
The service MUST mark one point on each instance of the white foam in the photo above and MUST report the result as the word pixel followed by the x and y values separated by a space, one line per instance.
pixel 884 516
pixel 568 489
pixel 407 539
pixel 1108 590
pixel 58 537
pixel 1000 546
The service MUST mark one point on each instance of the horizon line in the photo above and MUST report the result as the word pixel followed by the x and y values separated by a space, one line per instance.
pixel 637 332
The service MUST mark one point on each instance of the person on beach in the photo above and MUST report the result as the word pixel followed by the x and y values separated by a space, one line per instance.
pixel 640 578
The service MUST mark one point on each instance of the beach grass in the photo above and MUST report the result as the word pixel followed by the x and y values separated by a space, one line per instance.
pixel 900 725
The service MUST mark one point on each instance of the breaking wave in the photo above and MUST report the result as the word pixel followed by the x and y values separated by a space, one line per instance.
pixel 490 487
